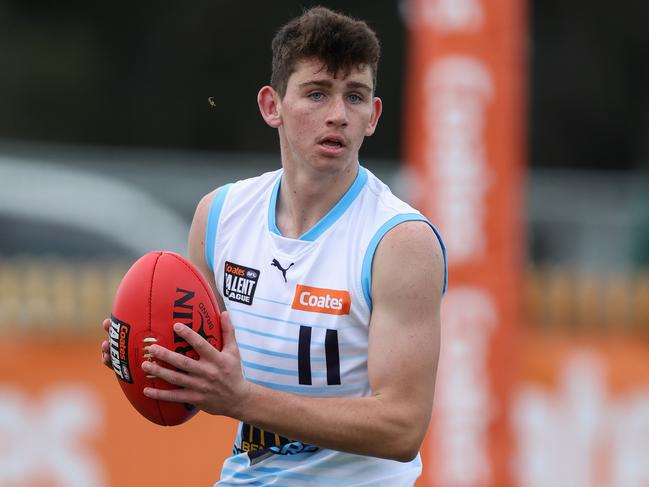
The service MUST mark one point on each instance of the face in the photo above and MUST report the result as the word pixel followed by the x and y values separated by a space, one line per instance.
pixel 323 119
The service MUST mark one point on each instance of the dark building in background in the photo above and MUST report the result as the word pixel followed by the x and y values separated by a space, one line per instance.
pixel 140 73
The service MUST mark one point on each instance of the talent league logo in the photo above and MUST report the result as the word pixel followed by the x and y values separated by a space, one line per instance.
pixel 275 263
pixel 118 337
pixel 239 283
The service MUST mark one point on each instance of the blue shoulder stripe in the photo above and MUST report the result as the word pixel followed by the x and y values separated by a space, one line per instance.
pixel 212 223
pixel 272 207
pixel 366 272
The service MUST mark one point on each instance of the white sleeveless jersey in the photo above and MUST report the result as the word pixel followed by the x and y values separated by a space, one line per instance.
pixel 301 310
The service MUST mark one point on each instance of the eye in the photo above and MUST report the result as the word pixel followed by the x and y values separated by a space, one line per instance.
pixel 316 96
pixel 354 98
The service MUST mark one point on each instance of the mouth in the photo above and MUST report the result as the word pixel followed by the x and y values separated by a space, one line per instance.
pixel 332 142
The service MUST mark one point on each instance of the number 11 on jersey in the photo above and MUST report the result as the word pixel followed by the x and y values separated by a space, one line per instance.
pixel 332 356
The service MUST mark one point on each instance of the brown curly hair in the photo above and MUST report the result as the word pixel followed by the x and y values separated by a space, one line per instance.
pixel 340 42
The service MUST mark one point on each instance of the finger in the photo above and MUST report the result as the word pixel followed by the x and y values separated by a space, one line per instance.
pixel 198 343
pixel 168 375
pixel 227 331
pixel 173 395
pixel 174 359
pixel 106 325
pixel 105 354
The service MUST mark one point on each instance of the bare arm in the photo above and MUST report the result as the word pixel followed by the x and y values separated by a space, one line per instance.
pixel 407 285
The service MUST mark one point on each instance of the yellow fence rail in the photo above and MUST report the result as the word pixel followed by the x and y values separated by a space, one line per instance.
pixel 54 295
pixel 560 297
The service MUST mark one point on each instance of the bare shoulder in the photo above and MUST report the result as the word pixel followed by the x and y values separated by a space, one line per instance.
pixel 197 237
pixel 198 230
pixel 409 260
pixel 202 211
pixel 413 235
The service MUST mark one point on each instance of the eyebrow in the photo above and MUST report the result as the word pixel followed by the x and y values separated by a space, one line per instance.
pixel 357 85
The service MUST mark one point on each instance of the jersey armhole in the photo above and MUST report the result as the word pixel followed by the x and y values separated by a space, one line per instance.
pixel 213 222
pixel 366 271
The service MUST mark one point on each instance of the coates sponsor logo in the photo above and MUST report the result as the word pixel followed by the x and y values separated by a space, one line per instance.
pixel 319 300
pixel 119 332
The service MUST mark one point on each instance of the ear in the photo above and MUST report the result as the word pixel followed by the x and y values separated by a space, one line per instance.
pixel 269 106
pixel 377 108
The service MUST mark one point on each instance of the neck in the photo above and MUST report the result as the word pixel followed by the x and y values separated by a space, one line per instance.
pixel 306 196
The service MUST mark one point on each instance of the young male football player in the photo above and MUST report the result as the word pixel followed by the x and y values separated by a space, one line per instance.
pixel 332 285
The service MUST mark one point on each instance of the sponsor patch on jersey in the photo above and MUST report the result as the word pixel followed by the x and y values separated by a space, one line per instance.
pixel 321 300
pixel 260 444
pixel 239 282
pixel 118 337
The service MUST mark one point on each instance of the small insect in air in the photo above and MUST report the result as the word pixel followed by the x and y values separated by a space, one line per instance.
pixel 211 101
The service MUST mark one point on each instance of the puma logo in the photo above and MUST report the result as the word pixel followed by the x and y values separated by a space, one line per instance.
pixel 275 263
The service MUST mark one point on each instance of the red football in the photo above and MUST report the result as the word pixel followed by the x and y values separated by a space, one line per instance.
pixel 160 289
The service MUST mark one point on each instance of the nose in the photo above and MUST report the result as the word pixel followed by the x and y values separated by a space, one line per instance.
pixel 337 115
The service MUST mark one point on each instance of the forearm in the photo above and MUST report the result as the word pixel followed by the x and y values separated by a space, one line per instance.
pixel 373 425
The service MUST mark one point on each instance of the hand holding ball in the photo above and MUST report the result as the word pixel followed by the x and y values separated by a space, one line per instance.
pixel 160 289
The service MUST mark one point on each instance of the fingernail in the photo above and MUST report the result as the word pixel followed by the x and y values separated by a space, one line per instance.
pixel 147 392
pixel 178 326
pixel 146 365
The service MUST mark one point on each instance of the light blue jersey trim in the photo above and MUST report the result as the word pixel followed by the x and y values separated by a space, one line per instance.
pixel 294 323
pixel 289 475
pixel 272 301
pixel 336 212
pixel 268 476
pixel 269 335
pixel 277 370
pixel 272 208
pixel 212 223
pixel 330 218
pixel 366 272
pixel 266 352
pixel 272 353
pixel 272 318
pixel 310 390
